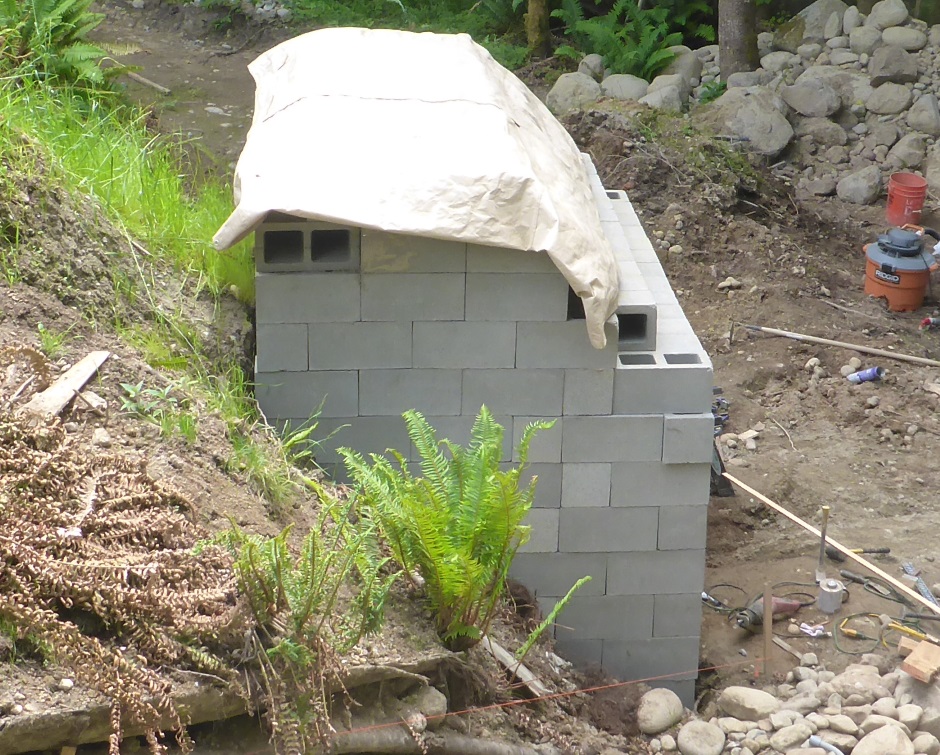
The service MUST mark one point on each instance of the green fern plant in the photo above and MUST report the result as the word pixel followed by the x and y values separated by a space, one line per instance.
pixel 631 40
pixel 51 37
pixel 458 525
pixel 690 18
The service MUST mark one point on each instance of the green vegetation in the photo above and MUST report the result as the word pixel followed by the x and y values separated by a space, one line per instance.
pixel 536 633
pixel 712 91
pixel 458 526
pixel 629 39
pixel 52 342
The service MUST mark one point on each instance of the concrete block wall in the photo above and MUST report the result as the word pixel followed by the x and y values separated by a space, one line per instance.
pixel 444 327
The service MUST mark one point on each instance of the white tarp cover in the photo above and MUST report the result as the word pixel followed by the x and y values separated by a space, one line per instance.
pixel 421 134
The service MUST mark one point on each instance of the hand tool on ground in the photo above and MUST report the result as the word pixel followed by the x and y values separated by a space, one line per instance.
pixel 752 617
pixel 821 566
pixel 834 555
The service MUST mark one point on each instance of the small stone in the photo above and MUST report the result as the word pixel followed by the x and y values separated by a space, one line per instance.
pixel 913 429
pixel 809 659
pixel 65 684
pixel 676 249
pixel 701 738
pixel 71 427
pixel 845 370
pixel 811 364
pixel 668 742
pixel 659 710
pixel 855 363
pixel 750 444
pixel 101 438
pixel 794 630
pixel 729 284
pixel 873 401
pixel 16 709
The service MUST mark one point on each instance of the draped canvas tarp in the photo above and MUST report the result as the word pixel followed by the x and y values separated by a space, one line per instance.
pixel 420 134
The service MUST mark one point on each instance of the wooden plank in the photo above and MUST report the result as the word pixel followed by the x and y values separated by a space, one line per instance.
pixel 57 396
pixel 522 673
pixel 913 595
pixel 784 645
pixel 906 646
pixel 923 663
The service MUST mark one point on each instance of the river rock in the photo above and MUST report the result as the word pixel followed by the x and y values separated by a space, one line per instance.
pixel 851 19
pixel 592 65
pixel 864 39
pixel 790 736
pixel 776 62
pixel 854 88
pixel 876 722
pixel 809 25
pixel 861 187
pixel 924 115
pixel 701 738
pixel 670 80
pixel 833 27
pixel 887 13
pixel 624 86
pixel 910 715
pixel 667 98
pixel 812 99
pixel 572 91
pixel 843 57
pixel 659 710
pixel 842 724
pixel 747 704
pixel 909 152
pixel 745 79
pixel 888 740
pixel 904 36
pixel 754 114
pixel 891 63
pixel 886 706
pixel 927 744
pixel 889 99
pixel 844 742
pixel 686 63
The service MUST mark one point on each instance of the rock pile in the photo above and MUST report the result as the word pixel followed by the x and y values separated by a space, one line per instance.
pixel 845 99
pixel 865 710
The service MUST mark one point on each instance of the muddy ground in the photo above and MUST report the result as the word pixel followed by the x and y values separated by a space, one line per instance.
pixel 867 451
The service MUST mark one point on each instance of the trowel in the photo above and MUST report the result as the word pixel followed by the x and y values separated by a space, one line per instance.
pixel 821 566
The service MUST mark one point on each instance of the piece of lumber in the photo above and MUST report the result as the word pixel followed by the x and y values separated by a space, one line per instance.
pixel 784 645
pixel 522 673
pixel 147 82
pixel 906 646
pixel 923 663
pixel 843 345
pixel 57 396
pixel 858 559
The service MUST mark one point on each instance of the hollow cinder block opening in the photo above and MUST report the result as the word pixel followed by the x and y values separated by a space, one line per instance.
pixel 330 245
pixel 575 305
pixel 283 247
pixel 682 358
pixel 616 195
pixel 631 327
pixel 635 359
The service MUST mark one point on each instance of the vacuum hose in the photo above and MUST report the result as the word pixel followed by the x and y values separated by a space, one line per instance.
pixel 815 741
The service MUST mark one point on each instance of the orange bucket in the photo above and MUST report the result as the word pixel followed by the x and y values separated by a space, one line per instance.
pixel 906 195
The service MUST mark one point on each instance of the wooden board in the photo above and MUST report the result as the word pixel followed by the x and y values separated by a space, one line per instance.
pixel 923 663
pixel 907 645
pixel 509 662
pixel 57 396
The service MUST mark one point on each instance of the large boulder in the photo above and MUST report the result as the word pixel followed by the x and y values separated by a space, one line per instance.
pixel 853 87
pixel 659 710
pixel 624 86
pixel 904 36
pixel 592 65
pixel 754 114
pixel 686 64
pixel 671 80
pixel 892 63
pixel 887 13
pixel 809 25
pixel 822 131
pixel 701 738
pixel 888 740
pixel 909 152
pixel 924 115
pixel 665 98
pixel 817 99
pixel 745 79
pixel 747 704
pixel 861 187
pixel 781 60
pixel 889 99
pixel 864 39
pixel 572 91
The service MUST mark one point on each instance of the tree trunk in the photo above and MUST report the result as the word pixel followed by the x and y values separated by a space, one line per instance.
pixel 737 36
pixel 537 32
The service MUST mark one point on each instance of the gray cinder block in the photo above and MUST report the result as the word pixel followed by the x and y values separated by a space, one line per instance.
pixel 509 297
pixel 653 657
pixel 464 344
pixel 545 445
pixel 281 348
pixel 677 615
pixel 606 617
pixel 581 653
pixel 401 253
pixel 432 392
pixel 544 533
pixel 412 296
pixel 359 345
pixel 548 486
pixel 647 484
pixel 366 435
pixel 613 438
pixel 306 297
pixel 682 527
pixel 509 391
pixel 640 245
pixel 605 529
pixel 585 484
pixel 688 438
pixel 488 259
pixel 553 574
pixel 655 572
pixel 589 392
pixel 288 394
pixel 562 344
pixel 660 388
pixel 636 318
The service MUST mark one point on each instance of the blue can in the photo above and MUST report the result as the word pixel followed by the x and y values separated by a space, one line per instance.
pixel 866 376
